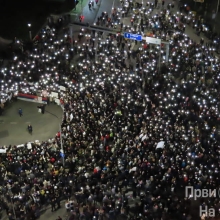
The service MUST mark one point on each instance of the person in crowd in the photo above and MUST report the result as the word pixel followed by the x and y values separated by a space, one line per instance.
pixel 53 204
pixel 30 129
pixel 1 110
pixel 135 131
pixel 20 112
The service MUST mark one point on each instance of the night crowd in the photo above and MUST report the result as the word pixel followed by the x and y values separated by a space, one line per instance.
pixel 119 104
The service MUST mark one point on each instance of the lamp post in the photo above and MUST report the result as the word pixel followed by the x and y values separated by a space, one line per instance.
pixel 71 34
pixel 113 5
pixel 217 8
pixel 61 139
pixel 61 143
pixel 81 7
pixel 30 34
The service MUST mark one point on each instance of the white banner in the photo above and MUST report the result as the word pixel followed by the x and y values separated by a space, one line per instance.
pixel 152 40
pixel 57 101
pixel 29 146
pixel 21 145
pixel 2 151
pixel 55 94
pixel 39 99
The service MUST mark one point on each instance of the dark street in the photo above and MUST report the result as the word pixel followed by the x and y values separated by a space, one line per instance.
pixel 15 15
pixel 13 128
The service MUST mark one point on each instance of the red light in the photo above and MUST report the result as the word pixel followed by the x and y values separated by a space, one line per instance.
pixel 81 17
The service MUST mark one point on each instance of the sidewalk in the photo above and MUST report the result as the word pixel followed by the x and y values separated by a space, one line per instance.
pixel 82 8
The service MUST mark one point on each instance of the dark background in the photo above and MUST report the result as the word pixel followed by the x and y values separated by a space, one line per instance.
pixel 16 14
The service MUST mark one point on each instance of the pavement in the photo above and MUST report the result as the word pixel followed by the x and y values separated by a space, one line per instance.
pixel 13 128
pixel 47 214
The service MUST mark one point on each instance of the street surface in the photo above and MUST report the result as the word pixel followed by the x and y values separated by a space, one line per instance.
pixel 13 128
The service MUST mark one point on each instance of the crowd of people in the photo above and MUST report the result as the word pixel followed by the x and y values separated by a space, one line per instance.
pixel 134 135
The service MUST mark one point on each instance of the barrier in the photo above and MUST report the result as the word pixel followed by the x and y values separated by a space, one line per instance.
pixel 32 98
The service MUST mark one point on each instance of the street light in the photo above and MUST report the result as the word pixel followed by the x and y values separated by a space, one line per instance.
pixel 217 7
pixel 113 5
pixel 81 7
pixel 61 143
pixel 61 139
pixel 30 34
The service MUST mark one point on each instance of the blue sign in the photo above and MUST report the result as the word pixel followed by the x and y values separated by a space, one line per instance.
pixel 133 36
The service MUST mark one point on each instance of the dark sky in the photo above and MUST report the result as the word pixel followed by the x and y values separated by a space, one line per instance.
pixel 16 14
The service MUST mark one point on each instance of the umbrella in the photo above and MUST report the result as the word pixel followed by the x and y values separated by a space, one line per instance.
pixel 160 145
